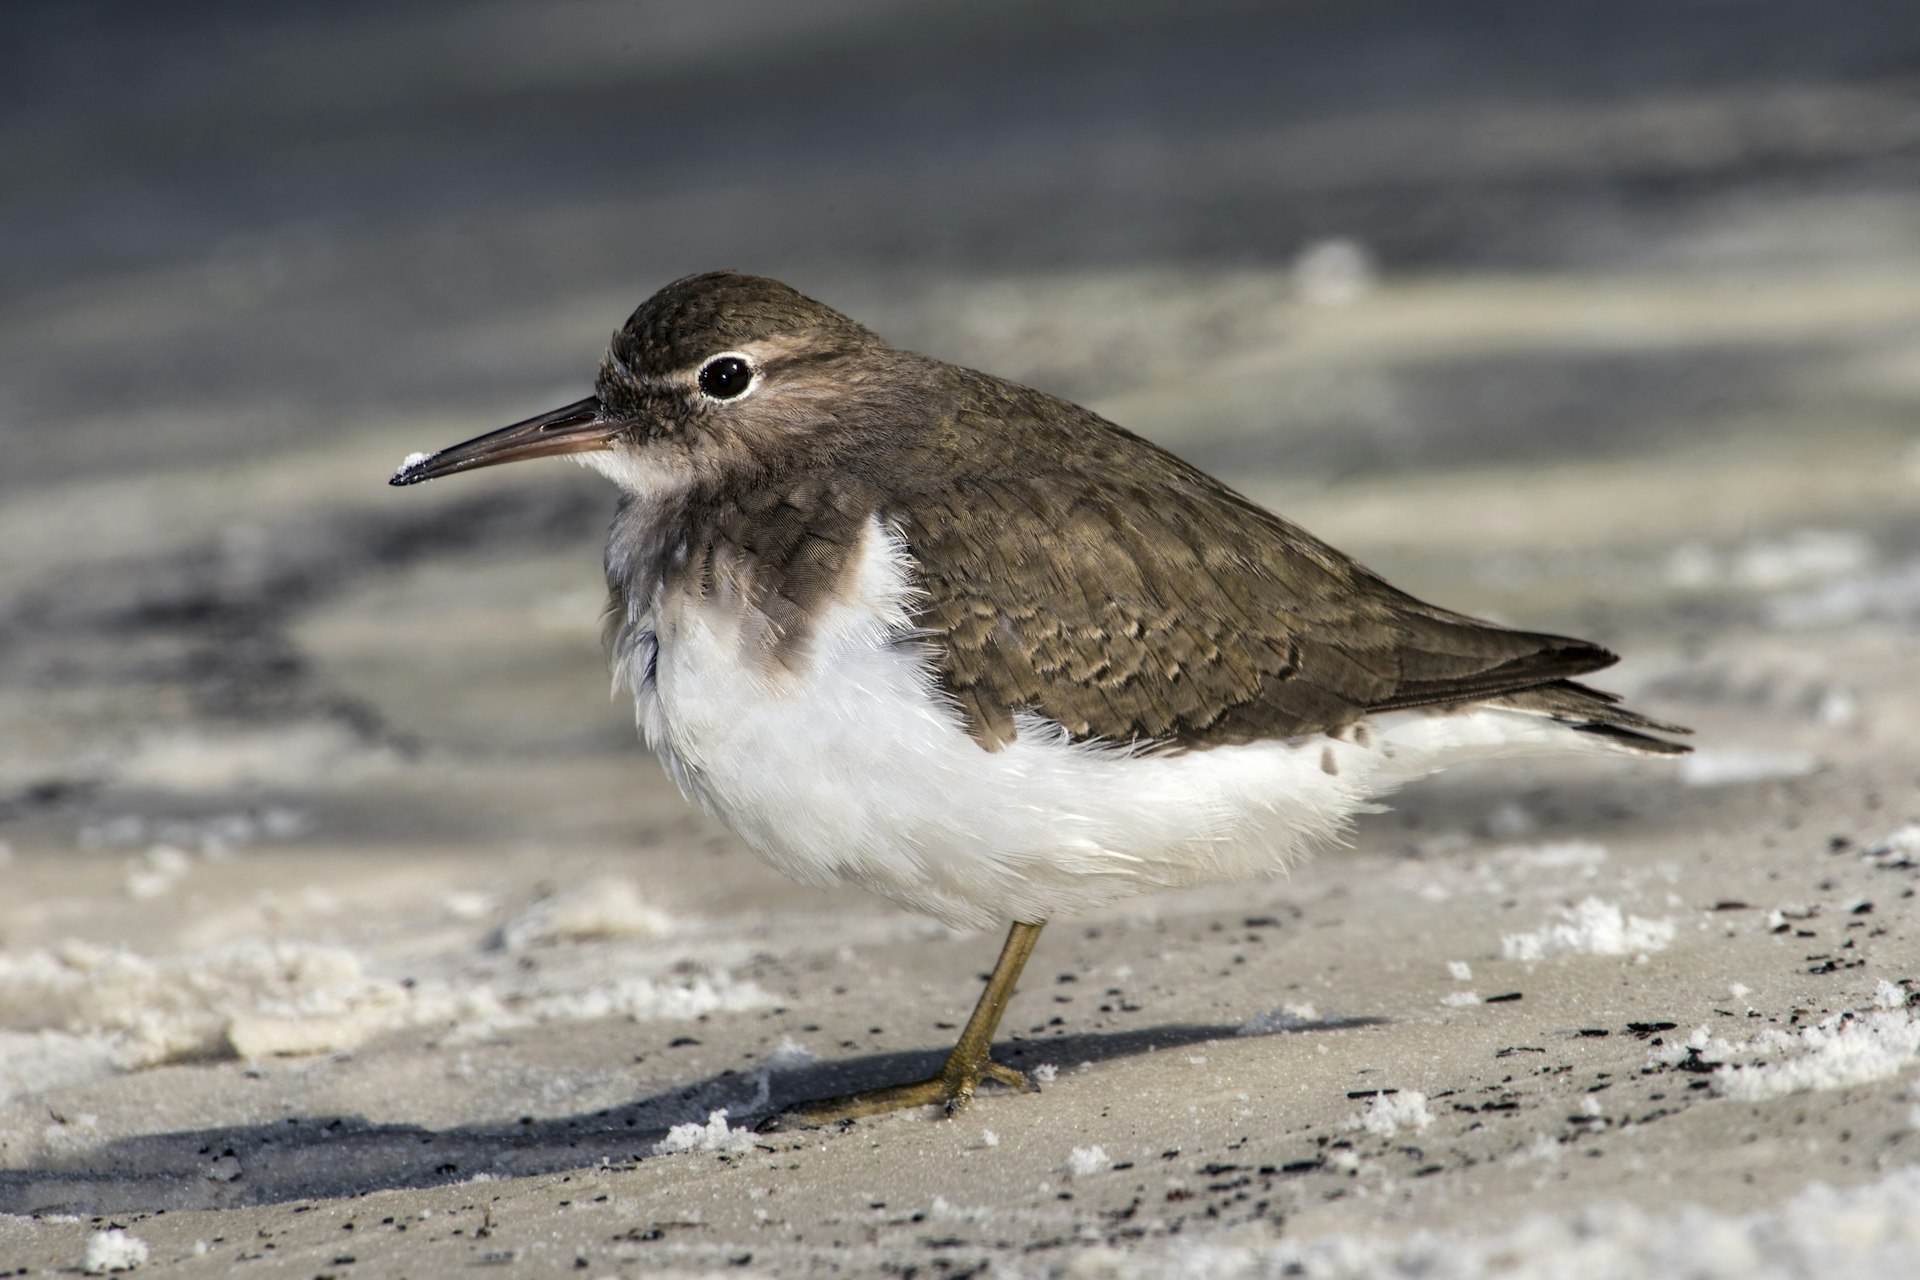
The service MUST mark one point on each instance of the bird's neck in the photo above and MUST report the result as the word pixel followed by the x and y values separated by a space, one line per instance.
pixel 777 542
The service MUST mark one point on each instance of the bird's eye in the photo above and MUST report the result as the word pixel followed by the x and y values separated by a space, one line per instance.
pixel 725 377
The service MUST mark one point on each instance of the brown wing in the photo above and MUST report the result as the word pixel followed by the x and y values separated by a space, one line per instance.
pixel 1132 598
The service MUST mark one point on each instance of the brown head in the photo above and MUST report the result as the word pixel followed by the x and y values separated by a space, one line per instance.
pixel 710 372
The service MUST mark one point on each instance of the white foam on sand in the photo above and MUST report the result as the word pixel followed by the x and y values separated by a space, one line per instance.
pixel 1334 272
pixel 1869 1232
pixel 1386 1114
pixel 248 1000
pixel 34 1061
pixel 1851 1048
pixel 113 1250
pixel 157 871
pixel 603 910
pixel 641 1000
pixel 1288 1017
pixel 1592 928
pixel 1900 848
pixel 788 1055
pixel 1084 1162
pixel 82 1010
pixel 1497 872
pixel 715 1135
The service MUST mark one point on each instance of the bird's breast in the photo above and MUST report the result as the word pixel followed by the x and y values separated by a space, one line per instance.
pixel 743 696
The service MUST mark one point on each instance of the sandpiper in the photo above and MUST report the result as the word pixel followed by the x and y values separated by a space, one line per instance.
pixel 905 625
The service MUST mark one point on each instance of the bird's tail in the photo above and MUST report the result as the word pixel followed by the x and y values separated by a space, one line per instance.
pixel 1597 712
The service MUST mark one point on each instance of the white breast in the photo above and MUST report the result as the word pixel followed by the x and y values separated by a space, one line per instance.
pixel 852 769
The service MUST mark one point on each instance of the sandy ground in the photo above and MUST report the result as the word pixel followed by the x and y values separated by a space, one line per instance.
pixel 346 929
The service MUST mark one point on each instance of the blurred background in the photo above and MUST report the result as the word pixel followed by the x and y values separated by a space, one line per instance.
pixel 1492 280
pixel 1594 316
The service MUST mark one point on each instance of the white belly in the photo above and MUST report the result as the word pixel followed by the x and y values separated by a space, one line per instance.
pixel 850 770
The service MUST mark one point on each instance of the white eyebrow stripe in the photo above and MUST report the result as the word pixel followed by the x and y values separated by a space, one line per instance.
pixel 646 382
pixel 758 354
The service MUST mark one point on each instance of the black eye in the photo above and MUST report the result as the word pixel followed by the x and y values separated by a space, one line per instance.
pixel 725 377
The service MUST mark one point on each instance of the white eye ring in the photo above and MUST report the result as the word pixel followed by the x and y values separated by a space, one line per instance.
pixel 719 376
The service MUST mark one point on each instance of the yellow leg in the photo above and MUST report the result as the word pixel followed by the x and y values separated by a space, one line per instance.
pixel 970 1062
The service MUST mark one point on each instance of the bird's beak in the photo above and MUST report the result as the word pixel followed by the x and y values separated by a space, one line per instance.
pixel 581 427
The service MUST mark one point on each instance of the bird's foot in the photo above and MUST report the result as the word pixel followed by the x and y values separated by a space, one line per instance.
pixel 967 1067
pixel 952 1090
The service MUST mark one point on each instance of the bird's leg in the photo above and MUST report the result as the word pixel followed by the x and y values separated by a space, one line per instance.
pixel 970 1062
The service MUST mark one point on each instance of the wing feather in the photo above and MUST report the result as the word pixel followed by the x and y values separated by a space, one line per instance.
pixel 1132 598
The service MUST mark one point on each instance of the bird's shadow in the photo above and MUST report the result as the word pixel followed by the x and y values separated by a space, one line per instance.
pixel 311 1157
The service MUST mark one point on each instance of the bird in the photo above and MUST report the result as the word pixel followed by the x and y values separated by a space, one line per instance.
pixel 905 625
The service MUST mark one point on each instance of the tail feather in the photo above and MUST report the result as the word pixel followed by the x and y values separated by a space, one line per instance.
pixel 1597 712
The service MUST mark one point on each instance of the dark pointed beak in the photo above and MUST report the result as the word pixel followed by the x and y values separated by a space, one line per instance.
pixel 580 427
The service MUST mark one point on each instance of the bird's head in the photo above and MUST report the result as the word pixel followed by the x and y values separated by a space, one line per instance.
pixel 713 371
